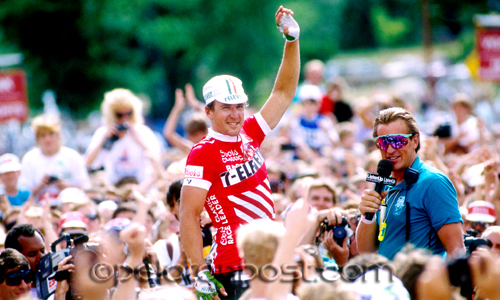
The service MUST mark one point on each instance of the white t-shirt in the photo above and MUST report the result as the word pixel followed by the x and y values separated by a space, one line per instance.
pixel 160 248
pixel 470 130
pixel 66 164
pixel 126 157
pixel 316 132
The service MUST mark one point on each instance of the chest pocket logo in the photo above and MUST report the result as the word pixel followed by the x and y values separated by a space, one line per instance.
pixel 400 204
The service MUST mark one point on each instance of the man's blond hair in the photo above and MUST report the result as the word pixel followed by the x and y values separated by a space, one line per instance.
pixel 258 240
pixel 45 122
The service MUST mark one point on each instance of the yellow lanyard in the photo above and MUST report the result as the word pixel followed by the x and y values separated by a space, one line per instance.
pixel 384 213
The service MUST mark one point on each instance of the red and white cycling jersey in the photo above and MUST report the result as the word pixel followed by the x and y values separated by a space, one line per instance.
pixel 232 169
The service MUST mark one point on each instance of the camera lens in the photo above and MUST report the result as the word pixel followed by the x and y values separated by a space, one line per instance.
pixel 339 232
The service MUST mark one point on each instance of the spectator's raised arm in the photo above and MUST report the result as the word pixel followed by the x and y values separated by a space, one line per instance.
pixel 300 219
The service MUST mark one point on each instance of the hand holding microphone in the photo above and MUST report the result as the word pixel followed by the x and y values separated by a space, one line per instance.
pixel 384 169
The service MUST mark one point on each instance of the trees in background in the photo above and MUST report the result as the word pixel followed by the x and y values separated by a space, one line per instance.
pixel 82 48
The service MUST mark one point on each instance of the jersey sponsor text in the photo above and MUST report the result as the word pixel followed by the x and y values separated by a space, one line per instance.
pixel 243 171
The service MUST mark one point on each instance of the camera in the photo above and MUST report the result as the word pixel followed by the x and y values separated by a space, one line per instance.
pixel 47 276
pixel 110 141
pixel 443 131
pixel 459 271
pixel 471 243
pixel 340 232
pixel 286 147
pixel 121 126
pixel 54 178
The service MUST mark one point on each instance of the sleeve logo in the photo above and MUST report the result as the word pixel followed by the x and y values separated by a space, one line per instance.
pixel 193 172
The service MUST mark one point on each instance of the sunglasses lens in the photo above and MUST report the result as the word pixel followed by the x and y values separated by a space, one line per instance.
pixel 121 115
pixel 484 225
pixel 382 143
pixel 14 278
pixel 396 141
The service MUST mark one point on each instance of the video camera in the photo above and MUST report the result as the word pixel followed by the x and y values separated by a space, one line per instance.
pixel 459 271
pixel 340 232
pixel 47 276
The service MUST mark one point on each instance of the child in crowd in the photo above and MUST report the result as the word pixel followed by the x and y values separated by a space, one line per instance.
pixel 10 169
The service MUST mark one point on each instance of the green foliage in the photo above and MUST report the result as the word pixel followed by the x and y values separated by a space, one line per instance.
pixel 356 27
pixel 464 46
pixel 319 30
pixel 83 48
pixel 389 31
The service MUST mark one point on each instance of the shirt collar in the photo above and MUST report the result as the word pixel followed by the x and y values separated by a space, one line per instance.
pixel 223 137
pixel 417 163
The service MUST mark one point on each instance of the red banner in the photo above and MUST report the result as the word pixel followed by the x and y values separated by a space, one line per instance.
pixel 488 47
pixel 13 95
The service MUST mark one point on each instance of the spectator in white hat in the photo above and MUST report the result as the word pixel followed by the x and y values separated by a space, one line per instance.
pixel 481 215
pixel 310 131
pixel 105 210
pixel 10 169
pixel 70 197
pixel 73 223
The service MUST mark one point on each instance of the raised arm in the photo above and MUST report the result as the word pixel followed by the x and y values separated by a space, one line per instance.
pixel 286 82
pixel 300 220
pixel 97 142
pixel 191 99
pixel 134 236
pixel 169 133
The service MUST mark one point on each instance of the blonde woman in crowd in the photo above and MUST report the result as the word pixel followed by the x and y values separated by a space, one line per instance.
pixel 123 145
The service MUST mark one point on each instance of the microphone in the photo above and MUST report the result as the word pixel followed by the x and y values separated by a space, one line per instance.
pixel 384 169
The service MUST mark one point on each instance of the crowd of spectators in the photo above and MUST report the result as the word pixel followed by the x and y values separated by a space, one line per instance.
pixel 123 192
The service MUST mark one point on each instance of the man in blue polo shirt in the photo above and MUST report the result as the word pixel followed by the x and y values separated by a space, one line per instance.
pixel 421 208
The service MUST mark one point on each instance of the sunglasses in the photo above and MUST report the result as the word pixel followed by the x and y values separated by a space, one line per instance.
pixel 15 277
pixel 483 224
pixel 395 140
pixel 120 115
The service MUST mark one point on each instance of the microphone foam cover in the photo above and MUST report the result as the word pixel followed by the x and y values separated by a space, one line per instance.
pixel 384 168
